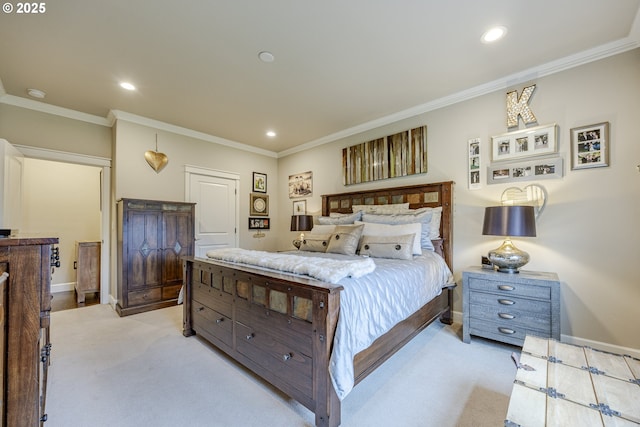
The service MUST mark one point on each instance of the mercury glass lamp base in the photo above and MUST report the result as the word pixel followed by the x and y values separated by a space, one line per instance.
pixel 508 258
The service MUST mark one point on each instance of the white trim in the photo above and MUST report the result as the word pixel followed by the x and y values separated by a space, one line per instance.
pixel 611 348
pixel 543 70
pixel 63 287
pixel 144 121
pixel 63 156
pixel 53 109
pixel 211 172
pixel 105 197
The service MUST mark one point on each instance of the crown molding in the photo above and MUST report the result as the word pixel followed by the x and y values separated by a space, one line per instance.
pixel 43 107
pixel 584 57
pixel 144 121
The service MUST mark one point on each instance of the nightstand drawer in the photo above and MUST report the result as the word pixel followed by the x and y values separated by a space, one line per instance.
pixel 505 332
pixel 510 302
pixel 506 288
pixel 507 316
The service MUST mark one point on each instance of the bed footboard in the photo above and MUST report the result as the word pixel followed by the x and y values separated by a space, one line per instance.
pixel 280 329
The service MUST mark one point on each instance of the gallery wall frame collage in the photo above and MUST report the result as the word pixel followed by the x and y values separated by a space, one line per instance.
pixel 532 154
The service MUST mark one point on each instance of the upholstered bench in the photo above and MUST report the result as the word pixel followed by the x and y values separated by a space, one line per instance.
pixel 563 385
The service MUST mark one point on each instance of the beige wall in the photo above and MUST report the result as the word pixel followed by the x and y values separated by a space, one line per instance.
pixel 588 232
pixel 134 178
pixel 62 200
pixel 21 126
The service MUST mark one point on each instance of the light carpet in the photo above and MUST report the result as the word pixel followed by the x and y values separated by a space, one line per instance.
pixel 140 371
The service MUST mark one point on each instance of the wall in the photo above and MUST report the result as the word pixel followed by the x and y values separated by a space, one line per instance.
pixel 62 200
pixel 21 126
pixel 133 178
pixel 588 232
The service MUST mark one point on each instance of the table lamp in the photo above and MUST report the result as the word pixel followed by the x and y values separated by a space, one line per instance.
pixel 301 223
pixel 509 221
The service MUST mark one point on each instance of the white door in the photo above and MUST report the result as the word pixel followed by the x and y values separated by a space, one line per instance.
pixel 216 213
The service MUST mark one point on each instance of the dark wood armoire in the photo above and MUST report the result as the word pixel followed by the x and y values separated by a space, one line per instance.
pixel 152 237
pixel 25 305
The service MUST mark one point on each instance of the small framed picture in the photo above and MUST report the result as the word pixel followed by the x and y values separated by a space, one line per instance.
pixel 590 146
pixel 260 182
pixel 530 142
pixel 259 204
pixel 300 207
pixel 258 223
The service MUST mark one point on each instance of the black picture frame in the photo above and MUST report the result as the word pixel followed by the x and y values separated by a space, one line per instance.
pixel 259 182
pixel 259 223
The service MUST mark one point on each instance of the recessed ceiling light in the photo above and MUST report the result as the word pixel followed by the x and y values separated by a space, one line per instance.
pixel 266 56
pixel 493 34
pixel 271 134
pixel 36 93
pixel 127 86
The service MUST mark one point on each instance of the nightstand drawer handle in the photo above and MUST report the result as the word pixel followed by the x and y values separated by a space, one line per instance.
pixel 506 288
pixel 506 316
pixel 506 302
pixel 506 331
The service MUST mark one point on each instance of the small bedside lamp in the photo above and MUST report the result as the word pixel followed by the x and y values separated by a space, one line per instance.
pixel 509 221
pixel 301 223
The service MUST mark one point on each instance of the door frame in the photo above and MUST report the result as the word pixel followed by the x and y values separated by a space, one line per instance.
pixel 190 170
pixel 105 194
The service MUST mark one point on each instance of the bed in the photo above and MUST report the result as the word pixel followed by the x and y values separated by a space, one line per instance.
pixel 283 326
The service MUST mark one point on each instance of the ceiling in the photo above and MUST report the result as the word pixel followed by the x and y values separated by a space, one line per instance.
pixel 340 66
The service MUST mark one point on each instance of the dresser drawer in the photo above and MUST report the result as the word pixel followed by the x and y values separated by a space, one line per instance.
pixel 293 332
pixel 511 302
pixel 212 323
pixel 171 292
pixel 279 358
pixel 508 316
pixel 503 331
pixel 144 297
pixel 506 288
pixel 213 298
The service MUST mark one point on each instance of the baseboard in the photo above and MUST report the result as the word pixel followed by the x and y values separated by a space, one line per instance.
pixel 611 348
pixel 569 339
pixel 63 287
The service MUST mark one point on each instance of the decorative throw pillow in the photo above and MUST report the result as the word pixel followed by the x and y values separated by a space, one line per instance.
pixel 315 242
pixel 374 229
pixel 397 247
pixel 381 209
pixel 323 229
pixel 336 220
pixel 345 239
pixel 423 217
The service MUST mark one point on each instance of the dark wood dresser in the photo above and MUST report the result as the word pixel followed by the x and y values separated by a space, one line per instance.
pixel 153 236
pixel 87 267
pixel 25 304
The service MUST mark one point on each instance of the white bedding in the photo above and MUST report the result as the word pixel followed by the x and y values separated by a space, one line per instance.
pixel 373 303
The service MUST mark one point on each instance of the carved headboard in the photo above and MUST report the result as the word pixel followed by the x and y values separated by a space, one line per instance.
pixel 418 196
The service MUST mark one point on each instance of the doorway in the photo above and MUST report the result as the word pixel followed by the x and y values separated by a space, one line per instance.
pixel 56 192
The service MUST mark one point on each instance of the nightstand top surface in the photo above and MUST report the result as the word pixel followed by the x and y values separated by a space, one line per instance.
pixel 522 275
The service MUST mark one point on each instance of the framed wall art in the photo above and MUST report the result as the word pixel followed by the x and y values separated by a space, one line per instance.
pixel 590 146
pixel 535 141
pixel 258 204
pixel 474 164
pixel 300 185
pixel 259 182
pixel 258 223
pixel 543 168
pixel 299 207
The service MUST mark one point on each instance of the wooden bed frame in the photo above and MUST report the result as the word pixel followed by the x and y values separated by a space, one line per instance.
pixel 282 328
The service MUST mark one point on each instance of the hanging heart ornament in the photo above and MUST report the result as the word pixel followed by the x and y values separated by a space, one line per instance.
pixel 156 160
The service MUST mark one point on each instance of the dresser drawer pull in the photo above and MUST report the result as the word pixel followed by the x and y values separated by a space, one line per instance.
pixel 220 320
pixel 506 316
pixel 286 357
pixel 506 302
pixel 200 308
pixel 250 336
pixel 506 331
pixel 506 288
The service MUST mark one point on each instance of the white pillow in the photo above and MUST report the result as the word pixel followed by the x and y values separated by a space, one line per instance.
pixel 339 220
pixel 381 209
pixel 423 217
pixel 323 229
pixel 373 229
